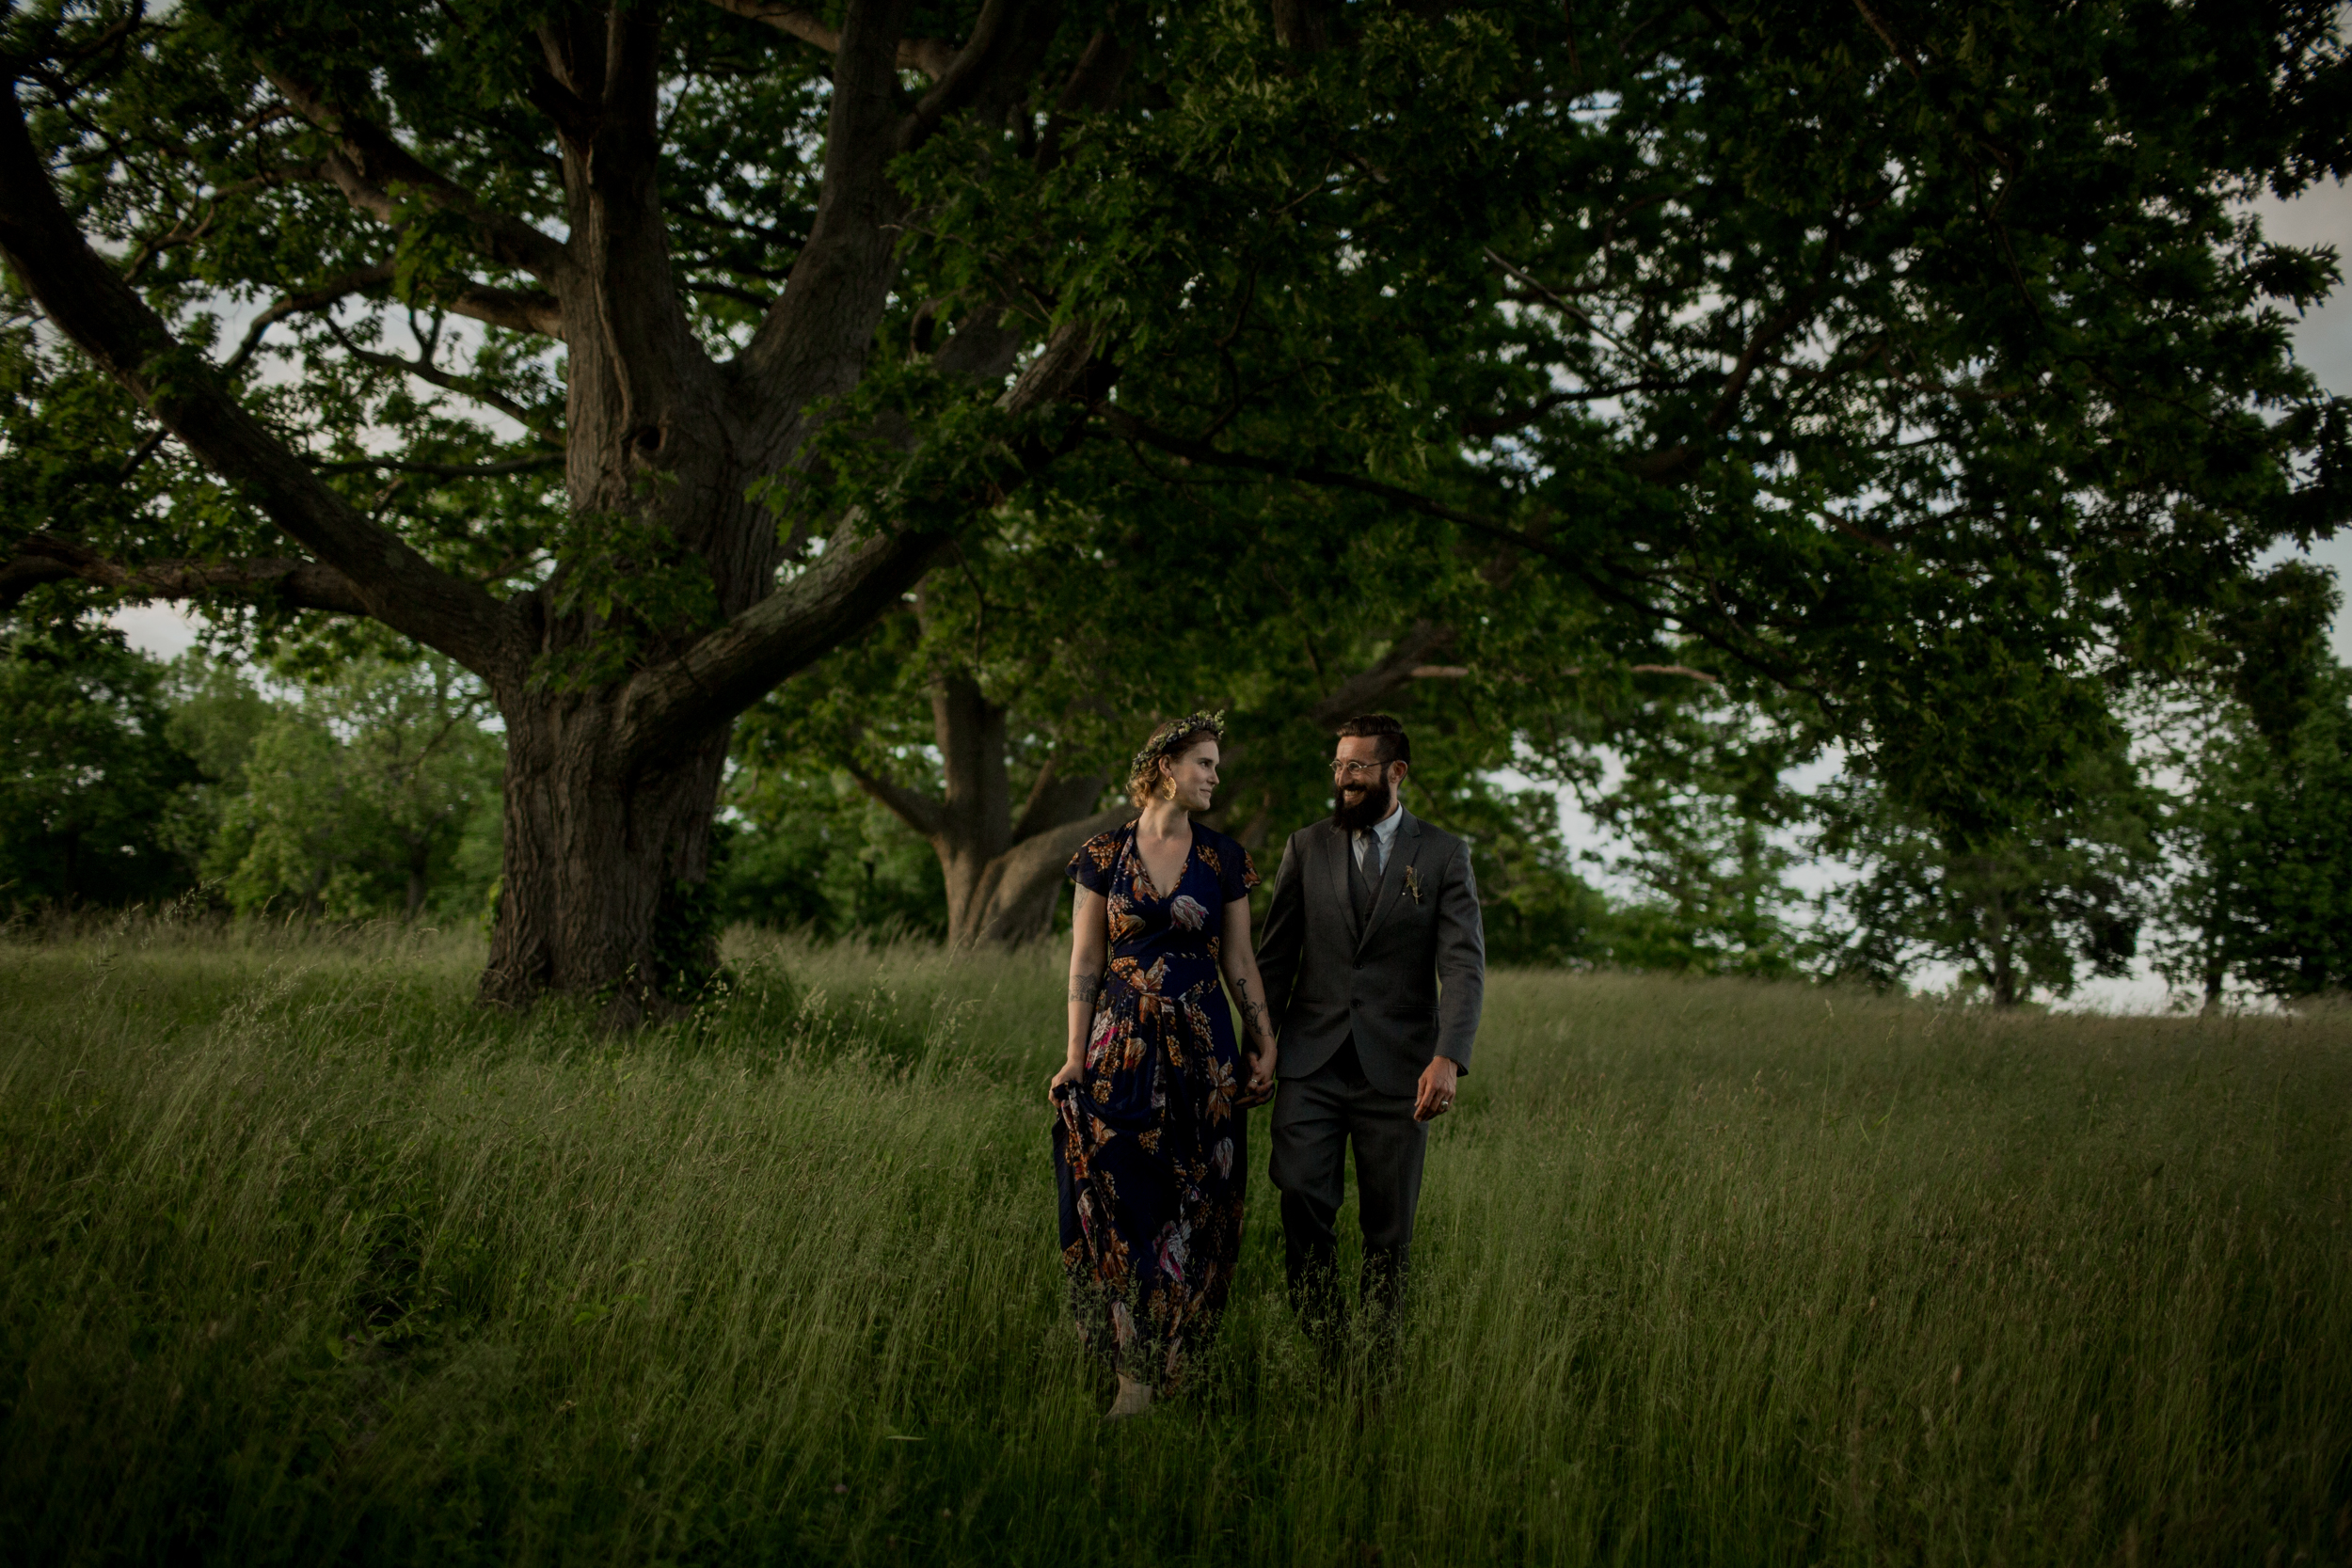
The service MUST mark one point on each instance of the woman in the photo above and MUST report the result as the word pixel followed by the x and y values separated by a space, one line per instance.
pixel 1149 1145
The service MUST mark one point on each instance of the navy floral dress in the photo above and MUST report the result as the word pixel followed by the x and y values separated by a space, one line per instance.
pixel 1148 1145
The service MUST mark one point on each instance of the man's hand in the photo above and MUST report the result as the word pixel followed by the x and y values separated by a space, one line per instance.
pixel 1435 1096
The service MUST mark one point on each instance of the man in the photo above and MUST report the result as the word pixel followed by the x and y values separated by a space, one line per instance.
pixel 1373 912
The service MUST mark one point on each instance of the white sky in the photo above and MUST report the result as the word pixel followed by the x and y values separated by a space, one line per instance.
pixel 2323 341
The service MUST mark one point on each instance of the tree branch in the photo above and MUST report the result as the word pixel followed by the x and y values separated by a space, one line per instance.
pixel 1669 464
pixel 850 584
pixel 807 346
pixel 1013 876
pixel 425 371
pixel 931 56
pixel 1591 322
pixel 1365 690
pixel 728 290
pixel 111 323
pixel 993 35
pixel 733 667
pixel 1136 429
pixel 912 807
pixel 518 310
pixel 1055 799
pixel 45 558
pixel 533 463
pixel 370 162
pixel 498 307
pixel 310 299
pixel 1479 427
pixel 1093 83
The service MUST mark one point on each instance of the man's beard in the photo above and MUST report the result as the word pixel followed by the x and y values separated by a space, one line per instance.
pixel 1375 805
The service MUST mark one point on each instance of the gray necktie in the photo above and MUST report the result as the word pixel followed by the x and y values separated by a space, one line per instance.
pixel 1369 861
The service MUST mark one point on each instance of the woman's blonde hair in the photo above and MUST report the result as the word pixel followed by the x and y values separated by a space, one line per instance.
pixel 1172 739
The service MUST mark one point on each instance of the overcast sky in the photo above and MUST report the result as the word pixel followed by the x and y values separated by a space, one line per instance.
pixel 2322 341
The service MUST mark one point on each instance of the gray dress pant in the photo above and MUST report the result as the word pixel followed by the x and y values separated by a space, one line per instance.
pixel 1315 1118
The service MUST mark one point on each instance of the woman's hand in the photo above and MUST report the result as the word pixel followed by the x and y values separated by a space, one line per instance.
pixel 1261 1086
pixel 1070 1072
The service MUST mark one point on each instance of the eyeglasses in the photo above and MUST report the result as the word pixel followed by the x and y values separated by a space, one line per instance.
pixel 1355 769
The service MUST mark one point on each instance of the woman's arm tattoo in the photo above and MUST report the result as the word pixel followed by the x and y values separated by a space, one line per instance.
pixel 1085 988
pixel 1253 1011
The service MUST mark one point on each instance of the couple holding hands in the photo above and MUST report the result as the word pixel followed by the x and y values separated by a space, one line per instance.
pixel 1350 1036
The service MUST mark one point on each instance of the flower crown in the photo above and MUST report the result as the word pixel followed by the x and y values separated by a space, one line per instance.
pixel 1190 725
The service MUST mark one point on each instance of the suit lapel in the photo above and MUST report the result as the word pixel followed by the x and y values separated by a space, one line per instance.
pixel 1335 872
pixel 1401 852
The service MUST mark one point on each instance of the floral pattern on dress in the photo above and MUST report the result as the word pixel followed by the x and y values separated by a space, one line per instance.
pixel 1150 1145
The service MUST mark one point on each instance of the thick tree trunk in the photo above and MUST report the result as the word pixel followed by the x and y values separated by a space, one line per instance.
pixel 2003 966
pixel 1014 902
pixel 604 890
pixel 1001 873
pixel 976 819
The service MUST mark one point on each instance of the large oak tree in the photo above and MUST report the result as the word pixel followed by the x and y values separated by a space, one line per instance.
pixel 1914 359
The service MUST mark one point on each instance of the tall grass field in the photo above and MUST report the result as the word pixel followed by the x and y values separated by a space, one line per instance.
pixel 309 1260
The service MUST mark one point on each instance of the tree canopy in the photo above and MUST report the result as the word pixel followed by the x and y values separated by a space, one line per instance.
pixel 1918 364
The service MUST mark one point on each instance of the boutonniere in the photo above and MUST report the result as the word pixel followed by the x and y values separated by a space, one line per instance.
pixel 1413 883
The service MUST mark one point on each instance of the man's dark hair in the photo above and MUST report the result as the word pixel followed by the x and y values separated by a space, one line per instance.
pixel 1395 745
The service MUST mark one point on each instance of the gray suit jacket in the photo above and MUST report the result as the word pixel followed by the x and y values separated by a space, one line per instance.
pixel 1328 976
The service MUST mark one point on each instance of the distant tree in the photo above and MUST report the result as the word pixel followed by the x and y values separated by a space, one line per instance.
pixel 1689 781
pixel 1717 899
pixel 2025 912
pixel 89 772
pixel 1708 824
pixel 216 711
pixel 2263 837
pixel 810 850
pixel 355 799
pixel 1537 909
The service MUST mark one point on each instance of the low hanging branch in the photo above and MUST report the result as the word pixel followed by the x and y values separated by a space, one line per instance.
pixel 297 584
pixel 538 463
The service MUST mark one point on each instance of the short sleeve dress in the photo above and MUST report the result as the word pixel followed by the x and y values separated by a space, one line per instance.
pixel 1149 1145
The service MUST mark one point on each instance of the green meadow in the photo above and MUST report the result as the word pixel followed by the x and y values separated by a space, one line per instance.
pixel 309 1260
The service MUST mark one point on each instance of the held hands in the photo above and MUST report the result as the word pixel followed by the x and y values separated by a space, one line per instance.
pixel 1435 1096
pixel 1261 1085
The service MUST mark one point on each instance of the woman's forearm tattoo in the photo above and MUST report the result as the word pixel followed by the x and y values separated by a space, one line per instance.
pixel 1086 988
pixel 1260 1024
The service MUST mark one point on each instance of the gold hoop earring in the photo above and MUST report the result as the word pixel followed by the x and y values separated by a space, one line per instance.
pixel 1167 789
